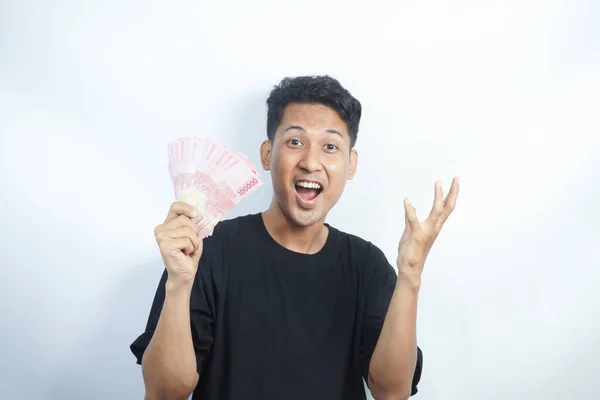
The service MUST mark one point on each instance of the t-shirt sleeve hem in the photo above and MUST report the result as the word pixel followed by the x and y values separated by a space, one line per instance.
pixel 139 345
pixel 416 376
pixel 418 370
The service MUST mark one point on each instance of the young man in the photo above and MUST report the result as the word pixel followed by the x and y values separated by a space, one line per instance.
pixel 280 305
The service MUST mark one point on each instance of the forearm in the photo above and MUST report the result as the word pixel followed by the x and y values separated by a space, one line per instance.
pixel 394 359
pixel 169 362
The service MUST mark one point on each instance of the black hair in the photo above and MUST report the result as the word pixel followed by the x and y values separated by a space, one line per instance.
pixel 323 90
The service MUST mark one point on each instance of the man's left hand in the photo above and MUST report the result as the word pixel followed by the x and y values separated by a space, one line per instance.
pixel 418 237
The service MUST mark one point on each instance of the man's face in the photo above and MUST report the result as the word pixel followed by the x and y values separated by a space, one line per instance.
pixel 310 161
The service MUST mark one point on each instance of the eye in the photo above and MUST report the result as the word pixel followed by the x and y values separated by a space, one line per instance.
pixel 294 142
pixel 331 147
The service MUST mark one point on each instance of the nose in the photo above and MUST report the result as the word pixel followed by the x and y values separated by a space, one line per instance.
pixel 311 161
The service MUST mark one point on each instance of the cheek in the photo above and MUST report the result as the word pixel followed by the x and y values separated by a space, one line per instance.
pixel 333 168
pixel 337 171
pixel 281 166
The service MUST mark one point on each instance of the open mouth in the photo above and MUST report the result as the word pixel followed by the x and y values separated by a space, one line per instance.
pixel 308 191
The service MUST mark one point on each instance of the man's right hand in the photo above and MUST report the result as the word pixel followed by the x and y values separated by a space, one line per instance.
pixel 179 245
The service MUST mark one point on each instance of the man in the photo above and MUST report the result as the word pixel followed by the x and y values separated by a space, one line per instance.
pixel 280 305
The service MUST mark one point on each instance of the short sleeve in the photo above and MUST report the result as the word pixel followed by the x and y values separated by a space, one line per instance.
pixel 380 284
pixel 201 316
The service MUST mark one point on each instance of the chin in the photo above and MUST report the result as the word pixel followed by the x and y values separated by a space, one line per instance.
pixel 305 218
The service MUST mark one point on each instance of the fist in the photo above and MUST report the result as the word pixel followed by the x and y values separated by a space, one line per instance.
pixel 177 238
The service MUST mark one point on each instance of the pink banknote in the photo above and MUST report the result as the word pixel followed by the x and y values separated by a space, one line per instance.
pixel 211 177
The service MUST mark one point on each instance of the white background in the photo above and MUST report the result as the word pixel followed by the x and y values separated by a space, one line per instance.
pixel 505 94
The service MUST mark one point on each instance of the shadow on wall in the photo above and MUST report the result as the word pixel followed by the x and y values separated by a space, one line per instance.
pixel 101 365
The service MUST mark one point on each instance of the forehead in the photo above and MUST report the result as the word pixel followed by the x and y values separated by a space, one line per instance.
pixel 313 118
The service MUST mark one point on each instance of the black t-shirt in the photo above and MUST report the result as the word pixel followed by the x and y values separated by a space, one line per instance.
pixel 269 323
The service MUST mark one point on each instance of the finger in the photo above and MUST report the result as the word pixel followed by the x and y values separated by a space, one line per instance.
pixel 438 203
pixel 411 216
pixel 183 232
pixel 450 201
pixel 184 245
pixel 175 223
pixel 181 208
pixel 176 228
pixel 406 223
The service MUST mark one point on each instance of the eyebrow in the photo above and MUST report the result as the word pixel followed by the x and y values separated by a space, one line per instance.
pixel 333 131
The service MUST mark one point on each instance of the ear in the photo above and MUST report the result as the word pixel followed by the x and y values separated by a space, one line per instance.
pixel 265 155
pixel 353 163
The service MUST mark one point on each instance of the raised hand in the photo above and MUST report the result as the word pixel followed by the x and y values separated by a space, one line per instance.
pixel 418 237
pixel 177 238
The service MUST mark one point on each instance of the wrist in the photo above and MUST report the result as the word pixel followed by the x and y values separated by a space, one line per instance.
pixel 409 284
pixel 174 287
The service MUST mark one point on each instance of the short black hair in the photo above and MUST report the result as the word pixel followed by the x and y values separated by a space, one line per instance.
pixel 323 90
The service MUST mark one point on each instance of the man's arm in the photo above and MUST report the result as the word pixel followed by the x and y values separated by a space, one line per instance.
pixel 394 359
pixel 169 362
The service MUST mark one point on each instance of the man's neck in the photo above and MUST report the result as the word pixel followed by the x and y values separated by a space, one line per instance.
pixel 306 240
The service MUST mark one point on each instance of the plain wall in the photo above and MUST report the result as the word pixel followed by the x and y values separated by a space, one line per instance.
pixel 504 94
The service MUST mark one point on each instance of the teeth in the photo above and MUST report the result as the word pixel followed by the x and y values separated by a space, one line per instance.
pixel 309 185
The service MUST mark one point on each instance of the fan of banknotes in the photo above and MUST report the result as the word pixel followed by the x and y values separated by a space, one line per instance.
pixel 210 176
